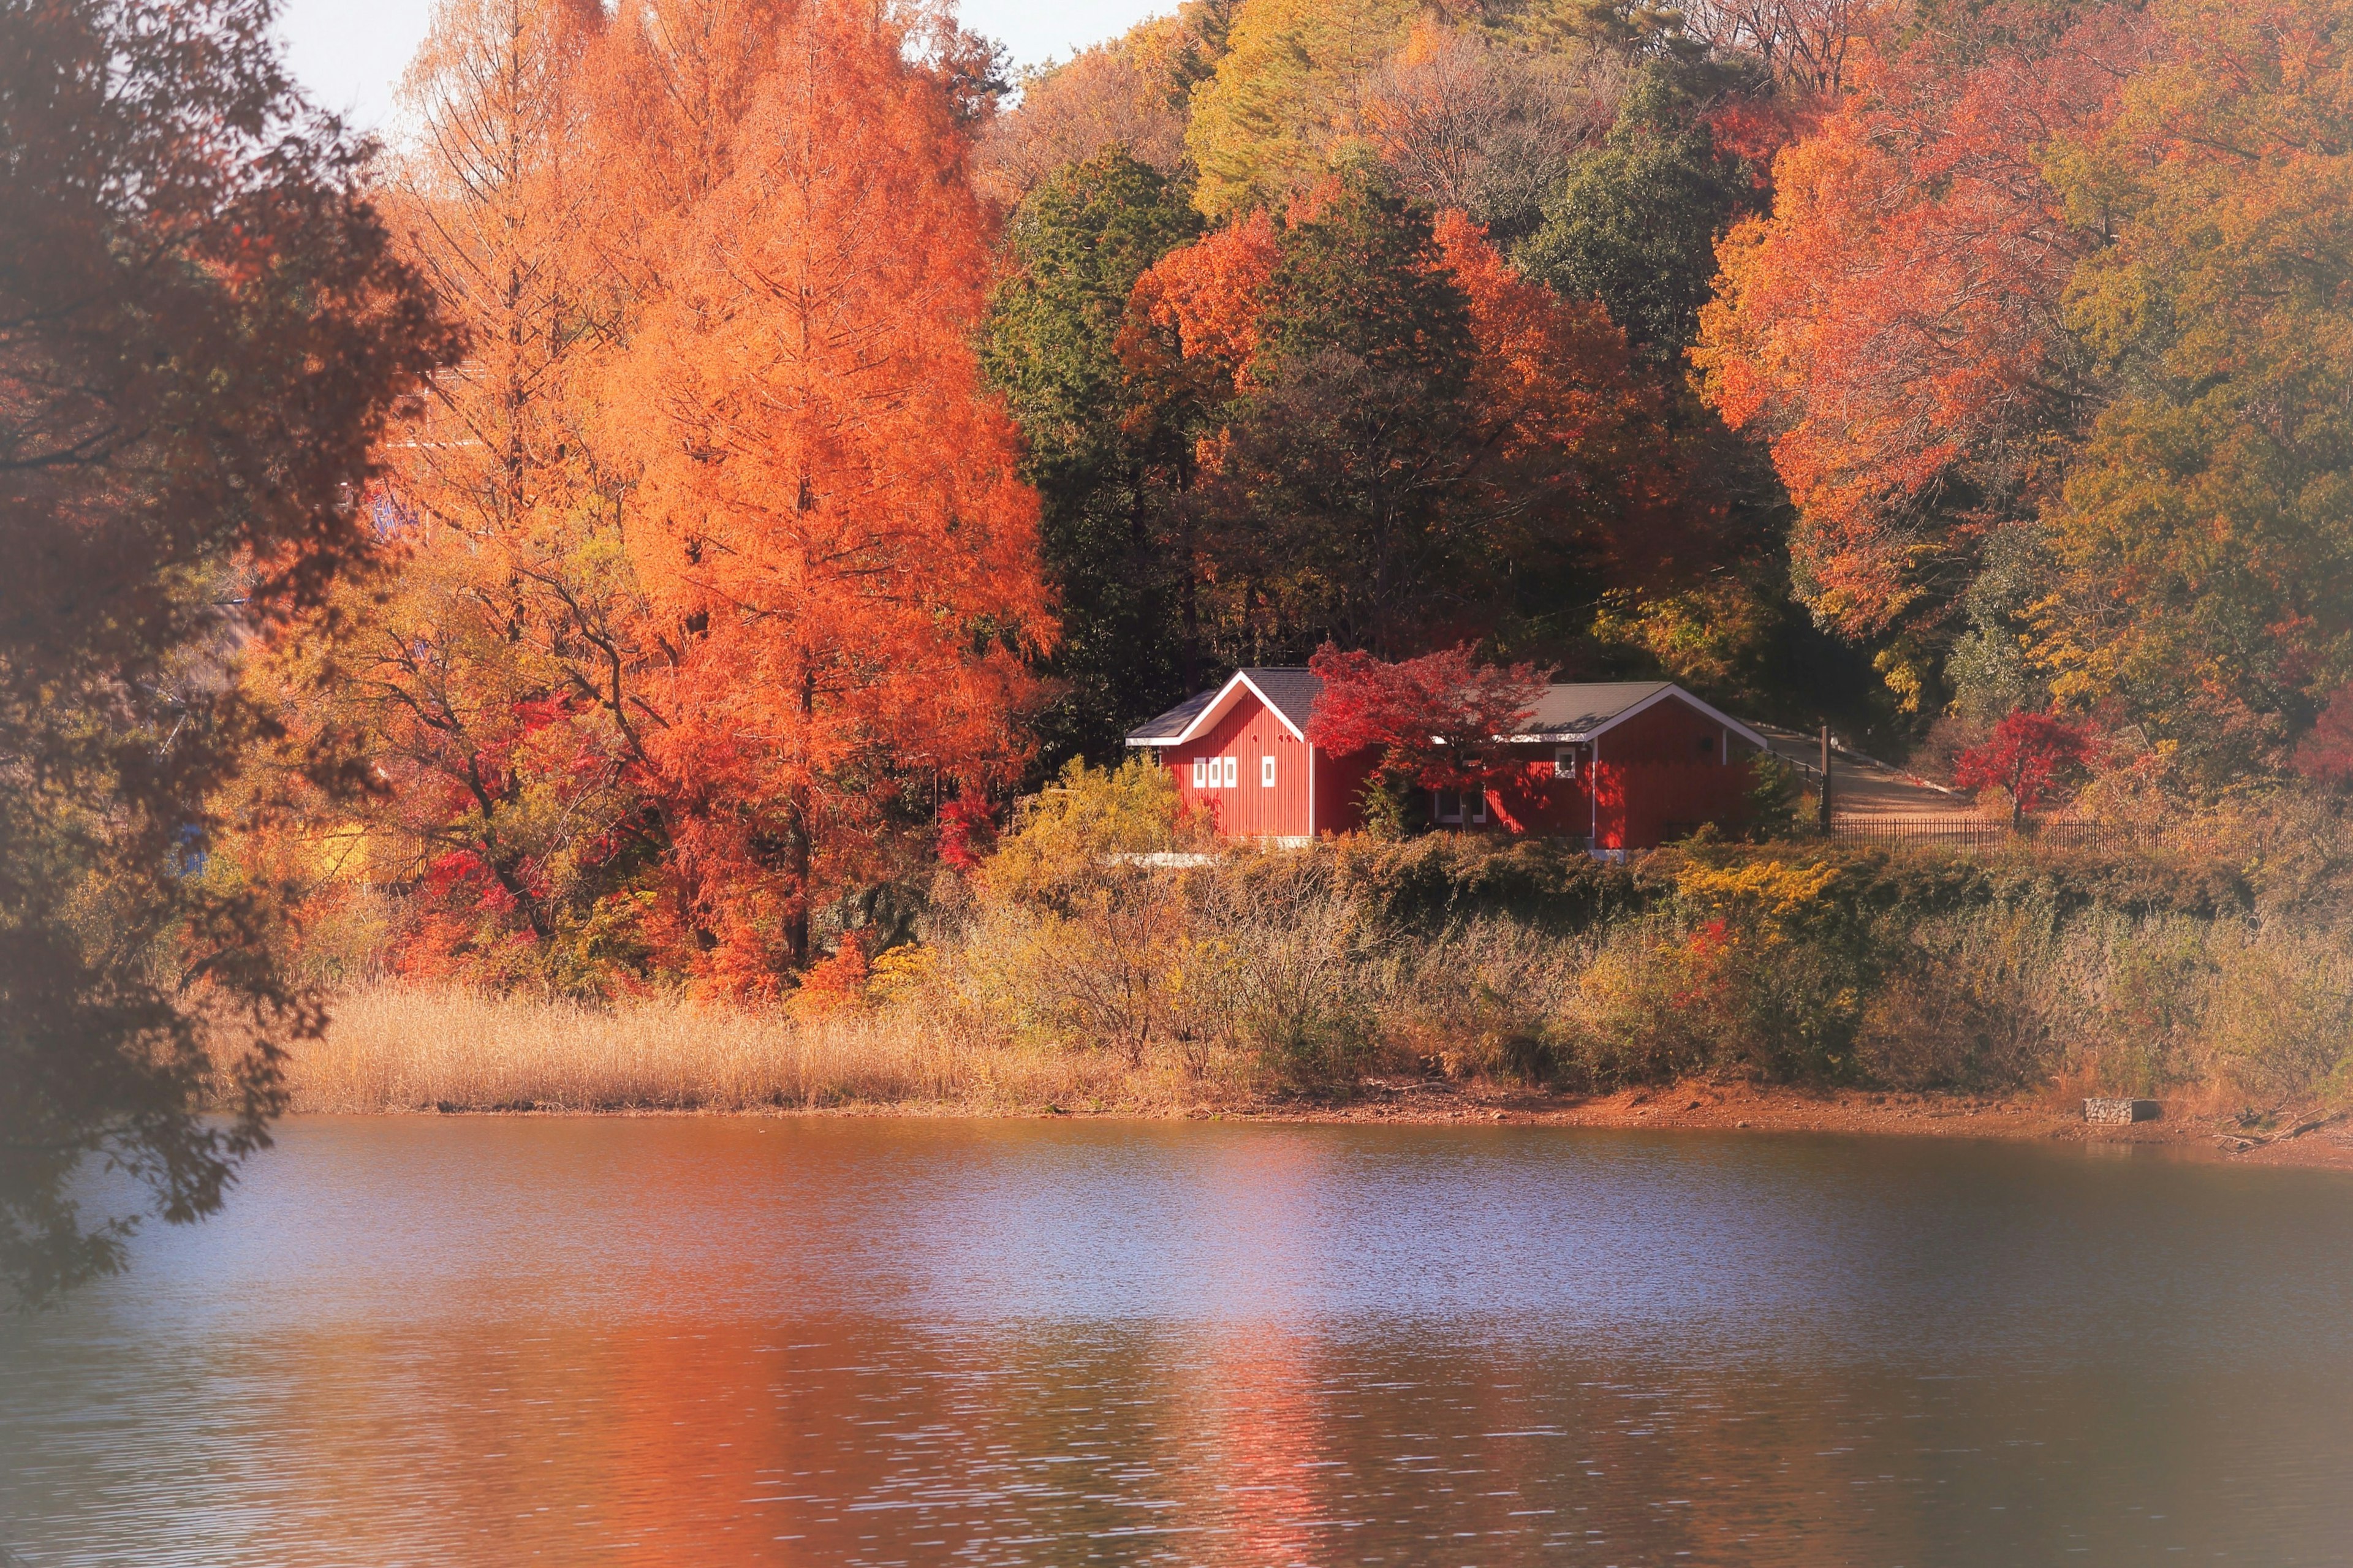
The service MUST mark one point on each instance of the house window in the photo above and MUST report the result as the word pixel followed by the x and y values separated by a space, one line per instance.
pixel 1706 743
pixel 1200 769
pixel 1266 771
pixel 1233 773
pixel 1564 761
pixel 1455 807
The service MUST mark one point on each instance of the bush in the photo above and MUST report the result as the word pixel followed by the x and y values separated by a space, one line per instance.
pixel 1430 884
pixel 1275 972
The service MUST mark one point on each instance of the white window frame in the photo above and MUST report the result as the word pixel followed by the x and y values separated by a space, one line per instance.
pixel 1564 761
pixel 1266 770
pixel 1200 773
pixel 1233 773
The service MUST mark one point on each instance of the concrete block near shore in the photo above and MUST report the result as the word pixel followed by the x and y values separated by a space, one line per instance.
pixel 2120 1110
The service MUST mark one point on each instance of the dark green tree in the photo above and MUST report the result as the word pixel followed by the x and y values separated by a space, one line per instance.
pixel 202 333
pixel 1352 511
pixel 1049 344
pixel 1636 220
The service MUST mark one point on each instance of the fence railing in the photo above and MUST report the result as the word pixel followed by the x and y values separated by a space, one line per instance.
pixel 1979 835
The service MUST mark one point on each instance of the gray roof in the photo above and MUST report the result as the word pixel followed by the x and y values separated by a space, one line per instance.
pixel 1579 710
pixel 1171 724
pixel 1563 712
pixel 1292 688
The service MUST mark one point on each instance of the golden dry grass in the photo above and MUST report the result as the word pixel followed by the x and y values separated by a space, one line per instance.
pixel 1160 995
pixel 393 1047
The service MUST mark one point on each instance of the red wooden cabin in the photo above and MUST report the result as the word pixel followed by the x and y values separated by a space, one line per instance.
pixel 1620 764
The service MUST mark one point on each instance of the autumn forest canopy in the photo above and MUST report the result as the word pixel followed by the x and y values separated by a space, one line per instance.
pixel 847 432
pixel 633 526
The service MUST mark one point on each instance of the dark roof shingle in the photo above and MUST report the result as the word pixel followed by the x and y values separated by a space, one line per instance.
pixel 1171 724
pixel 1565 711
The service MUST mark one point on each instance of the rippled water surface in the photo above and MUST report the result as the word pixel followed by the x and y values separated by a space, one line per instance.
pixel 492 1340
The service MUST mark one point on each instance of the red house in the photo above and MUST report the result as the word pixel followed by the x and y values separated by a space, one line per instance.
pixel 1620 764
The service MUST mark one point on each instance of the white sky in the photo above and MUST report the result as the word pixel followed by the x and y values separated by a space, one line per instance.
pixel 350 53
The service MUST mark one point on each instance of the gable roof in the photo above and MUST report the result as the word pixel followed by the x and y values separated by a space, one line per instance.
pixel 1581 711
pixel 1289 689
pixel 1567 711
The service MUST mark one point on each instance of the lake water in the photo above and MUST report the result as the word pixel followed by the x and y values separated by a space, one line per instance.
pixel 722 1342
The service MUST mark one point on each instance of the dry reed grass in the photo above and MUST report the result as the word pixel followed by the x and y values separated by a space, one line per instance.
pixel 1096 983
pixel 392 1048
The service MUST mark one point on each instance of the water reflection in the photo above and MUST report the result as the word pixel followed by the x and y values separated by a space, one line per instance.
pixel 735 1343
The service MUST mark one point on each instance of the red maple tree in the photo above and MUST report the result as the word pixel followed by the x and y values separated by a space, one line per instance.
pixel 1442 720
pixel 2026 757
pixel 2325 754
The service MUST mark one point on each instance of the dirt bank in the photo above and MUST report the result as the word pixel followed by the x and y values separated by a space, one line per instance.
pixel 2306 1136
pixel 2296 1136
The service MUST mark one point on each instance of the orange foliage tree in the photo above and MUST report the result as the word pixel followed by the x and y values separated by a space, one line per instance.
pixel 839 559
pixel 1896 325
pixel 716 575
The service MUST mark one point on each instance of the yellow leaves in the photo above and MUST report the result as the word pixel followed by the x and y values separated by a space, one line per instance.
pixel 900 971
pixel 1780 898
pixel 1269 123
pixel 1075 833
pixel 2203 568
pixel 1710 636
pixel 1901 670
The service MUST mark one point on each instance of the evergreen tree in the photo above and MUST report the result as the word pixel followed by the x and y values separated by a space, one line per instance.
pixel 1050 346
pixel 1355 515
pixel 1636 221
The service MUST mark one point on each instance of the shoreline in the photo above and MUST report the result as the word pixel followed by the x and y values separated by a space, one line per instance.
pixel 2314 1138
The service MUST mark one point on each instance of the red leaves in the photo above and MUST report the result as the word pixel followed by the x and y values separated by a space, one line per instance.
pixel 967 831
pixel 2326 754
pixel 1440 720
pixel 2027 755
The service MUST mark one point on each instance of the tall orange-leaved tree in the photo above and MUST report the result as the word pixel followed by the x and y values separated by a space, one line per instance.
pixel 502 670
pixel 842 564
pixel 1896 324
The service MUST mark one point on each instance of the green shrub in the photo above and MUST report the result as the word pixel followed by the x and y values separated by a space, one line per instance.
pixel 1443 879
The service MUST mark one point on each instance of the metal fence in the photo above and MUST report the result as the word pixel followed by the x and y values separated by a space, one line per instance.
pixel 1976 835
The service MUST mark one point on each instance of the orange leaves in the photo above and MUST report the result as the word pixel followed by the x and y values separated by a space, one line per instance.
pixel 1574 431
pixel 719 498
pixel 1895 323
pixel 1554 368
pixel 830 528
pixel 1211 293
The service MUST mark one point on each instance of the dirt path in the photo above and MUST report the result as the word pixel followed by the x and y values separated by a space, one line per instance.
pixel 2295 1136
pixel 1863 788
